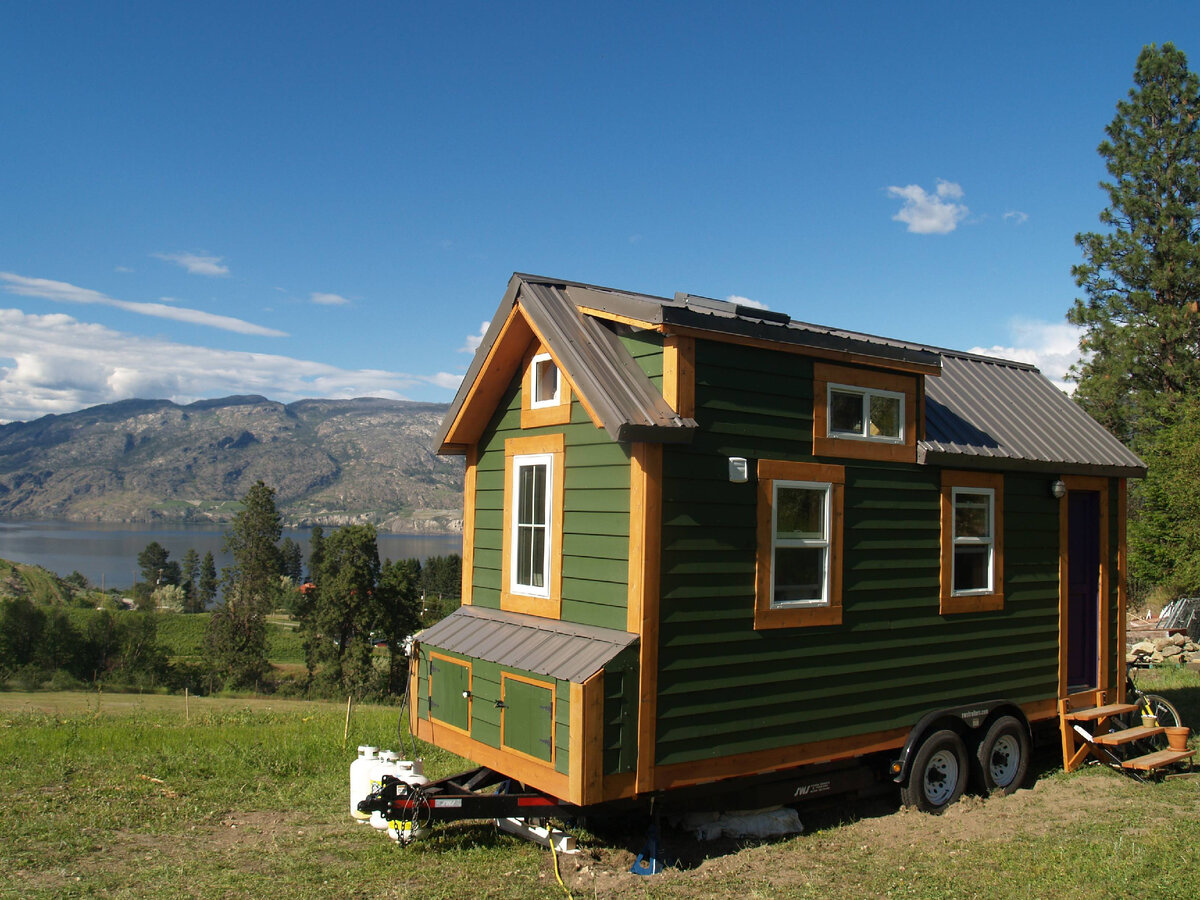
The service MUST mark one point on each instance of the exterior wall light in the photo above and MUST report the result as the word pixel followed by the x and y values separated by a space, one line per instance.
pixel 1058 489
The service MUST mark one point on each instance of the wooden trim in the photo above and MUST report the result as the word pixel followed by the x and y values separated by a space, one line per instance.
pixel 679 374
pixel 414 688
pixel 770 471
pixel 763 761
pixel 645 550
pixel 619 786
pixel 464 663
pixel 1122 584
pixel 587 741
pixel 546 607
pixel 845 357
pixel 971 603
pixel 536 774
pixel 853 448
pixel 492 381
pixel 560 413
pixel 468 535
pixel 1103 672
pixel 550 686
pixel 616 317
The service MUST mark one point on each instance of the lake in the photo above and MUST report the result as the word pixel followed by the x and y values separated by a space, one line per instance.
pixel 107 552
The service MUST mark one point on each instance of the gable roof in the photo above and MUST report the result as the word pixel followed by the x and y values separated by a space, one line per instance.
pixel 980 412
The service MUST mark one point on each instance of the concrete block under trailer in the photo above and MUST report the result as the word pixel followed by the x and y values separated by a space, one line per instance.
pixel 985 745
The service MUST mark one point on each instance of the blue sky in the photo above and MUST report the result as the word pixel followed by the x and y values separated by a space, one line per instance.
pixel 320 199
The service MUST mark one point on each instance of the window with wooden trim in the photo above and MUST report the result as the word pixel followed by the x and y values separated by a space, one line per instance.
pixel 972 558
pixel 545 391
pixel 533 512
pixel 865 414
pixel 798 570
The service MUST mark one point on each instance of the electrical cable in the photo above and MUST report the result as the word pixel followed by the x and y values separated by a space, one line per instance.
pixel 554 854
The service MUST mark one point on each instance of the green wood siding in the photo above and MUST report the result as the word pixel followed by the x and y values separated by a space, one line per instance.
pixel 529 718
pixel 621 712
pixel 725 688
pixel 595 562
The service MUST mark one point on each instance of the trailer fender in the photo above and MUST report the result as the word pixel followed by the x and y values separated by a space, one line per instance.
pixel 969 721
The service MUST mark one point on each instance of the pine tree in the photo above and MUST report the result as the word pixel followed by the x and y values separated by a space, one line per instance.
pixel 190 574
pixel 206 581
pixel 344 610
pixel 237 632
pixel 1142 275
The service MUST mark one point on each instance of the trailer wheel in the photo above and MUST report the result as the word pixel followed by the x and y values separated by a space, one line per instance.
pixel 938 775
pixel 1003 756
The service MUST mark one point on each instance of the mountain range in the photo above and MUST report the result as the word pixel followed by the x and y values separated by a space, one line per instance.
pixel 331 462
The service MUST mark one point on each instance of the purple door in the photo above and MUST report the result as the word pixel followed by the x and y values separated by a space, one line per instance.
pixel 1083 589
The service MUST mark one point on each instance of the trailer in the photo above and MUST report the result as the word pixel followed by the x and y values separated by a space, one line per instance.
pixel 706 545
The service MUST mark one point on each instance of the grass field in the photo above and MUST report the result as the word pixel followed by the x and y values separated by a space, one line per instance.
pixel 138 796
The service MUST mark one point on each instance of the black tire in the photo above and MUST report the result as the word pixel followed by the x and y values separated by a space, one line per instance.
pixel 1002 757
pixel 938 775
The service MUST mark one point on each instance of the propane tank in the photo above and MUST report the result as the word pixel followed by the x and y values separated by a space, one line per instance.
pixel 387 764
pixel 360 779
pixel 411 772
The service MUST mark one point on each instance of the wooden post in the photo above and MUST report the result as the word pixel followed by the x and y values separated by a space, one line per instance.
pixel 187 714
pixel 346 731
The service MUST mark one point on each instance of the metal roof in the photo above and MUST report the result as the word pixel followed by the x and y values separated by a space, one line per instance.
pixel 1008 415
pixel 545 646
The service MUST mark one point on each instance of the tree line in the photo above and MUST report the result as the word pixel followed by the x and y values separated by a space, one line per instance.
pixel 354 613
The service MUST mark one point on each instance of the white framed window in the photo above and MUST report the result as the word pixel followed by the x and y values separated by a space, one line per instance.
pixel 800 544
pixel 974 541
pixel 867 414
pixel 547 388
pixel 532 492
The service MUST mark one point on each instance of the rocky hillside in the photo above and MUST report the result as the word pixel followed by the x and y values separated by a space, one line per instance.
pixel 331 462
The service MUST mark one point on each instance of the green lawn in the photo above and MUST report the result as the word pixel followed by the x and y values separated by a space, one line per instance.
pixel 132 796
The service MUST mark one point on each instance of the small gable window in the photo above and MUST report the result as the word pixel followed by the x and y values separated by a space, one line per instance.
pixel 545 382
pixel 861 413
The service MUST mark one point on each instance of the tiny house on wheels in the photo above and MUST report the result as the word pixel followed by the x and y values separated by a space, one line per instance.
pixel 705 544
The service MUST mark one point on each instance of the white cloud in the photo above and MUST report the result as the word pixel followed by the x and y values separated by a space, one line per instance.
pixel 194 263
pixel 474 340
pixel 59 364
pixel 446 380
pixel 1051 346
pixel 745 301
pixel 1016 217
pixel 62 292
pixel 327 299
pixel 926 213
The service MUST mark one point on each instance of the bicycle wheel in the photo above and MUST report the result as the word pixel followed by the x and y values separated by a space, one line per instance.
pixel 1166 714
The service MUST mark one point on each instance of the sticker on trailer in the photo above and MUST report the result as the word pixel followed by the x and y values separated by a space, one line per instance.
pixel 806 790
pixel 448 803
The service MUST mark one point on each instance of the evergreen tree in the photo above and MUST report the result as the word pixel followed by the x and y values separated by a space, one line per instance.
pixel 316 552
pixel 1142 275
pixel 206 582
pixel 344 609
pixel 291 560
pixel 398 608
pixel 237 632
pixel 190 574
pixel 157 568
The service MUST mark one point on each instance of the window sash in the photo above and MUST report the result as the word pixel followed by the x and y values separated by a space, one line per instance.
pixel 800 555
pixel 533 477
pixel 546 382
pixel 974 552
pixel 876 409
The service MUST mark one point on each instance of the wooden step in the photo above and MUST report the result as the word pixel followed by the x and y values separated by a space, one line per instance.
pixel 1158 760
pixel 1127 735
pixel 1092 713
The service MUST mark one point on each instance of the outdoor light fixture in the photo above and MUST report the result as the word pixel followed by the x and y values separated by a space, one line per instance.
pixel 1058 489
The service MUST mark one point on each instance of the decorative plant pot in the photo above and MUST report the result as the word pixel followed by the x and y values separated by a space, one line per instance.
pixel 1150 721
pixel 1177 736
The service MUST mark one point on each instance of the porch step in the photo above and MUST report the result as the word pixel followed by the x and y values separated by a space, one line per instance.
pixel 1092 713
pixel 1153 761
pixel 1127 735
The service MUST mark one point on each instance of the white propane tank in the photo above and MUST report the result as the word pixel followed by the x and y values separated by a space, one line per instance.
pixel 387 764
pixel 360 779
pixel 412 772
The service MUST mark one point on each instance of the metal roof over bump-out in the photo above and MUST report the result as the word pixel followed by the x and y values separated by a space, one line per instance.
pixel 1002 414
pixel 544 646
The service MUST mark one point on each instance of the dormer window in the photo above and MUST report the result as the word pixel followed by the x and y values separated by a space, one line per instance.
pixel 865 414
pixel 546 383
